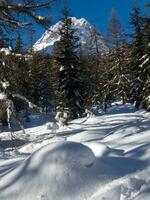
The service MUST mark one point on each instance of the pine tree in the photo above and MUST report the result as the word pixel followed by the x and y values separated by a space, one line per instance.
pixel 145 65
pixel 124 78
pixel 106 75
pixel 87 80
pixel 137 53
pixel 70 75
pixel 114 32
pixel 40 89
pixel 117 58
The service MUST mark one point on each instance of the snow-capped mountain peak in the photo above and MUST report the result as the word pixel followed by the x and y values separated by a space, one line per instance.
pixel 84 31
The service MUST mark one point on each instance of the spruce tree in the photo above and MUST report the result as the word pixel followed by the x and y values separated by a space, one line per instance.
pixel 145 65
pixel 40 92
pixel 69 74
pixel 137 53
pixel 117 60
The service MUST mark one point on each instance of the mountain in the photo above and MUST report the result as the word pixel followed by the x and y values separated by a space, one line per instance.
pixel 88 36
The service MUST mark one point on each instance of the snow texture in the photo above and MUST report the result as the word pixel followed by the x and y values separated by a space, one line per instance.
pixel 3 96
pixel 100 157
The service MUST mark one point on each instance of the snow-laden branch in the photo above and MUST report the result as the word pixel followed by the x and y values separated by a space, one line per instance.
pixel 30 104
pixel 30 8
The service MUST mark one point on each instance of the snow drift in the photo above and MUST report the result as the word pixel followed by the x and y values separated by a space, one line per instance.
pixel 112 163
pixel 60 171
pixel 63 170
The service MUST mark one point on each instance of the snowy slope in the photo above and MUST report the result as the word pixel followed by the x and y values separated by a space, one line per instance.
pixel 84 31
pixel 101 157
pixel 63 170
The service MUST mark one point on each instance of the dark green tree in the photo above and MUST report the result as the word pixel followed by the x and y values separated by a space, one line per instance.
pixel 69 74
pixel 145 65
pixel 137 53
pixel 40 86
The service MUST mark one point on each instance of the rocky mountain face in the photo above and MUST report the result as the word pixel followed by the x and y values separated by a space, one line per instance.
pixel 89 38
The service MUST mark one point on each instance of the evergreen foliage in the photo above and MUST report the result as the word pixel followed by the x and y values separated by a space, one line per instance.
pixel 70 84
pixel 118 60
pixel 140 58
pixel 15 69
pixel 40 85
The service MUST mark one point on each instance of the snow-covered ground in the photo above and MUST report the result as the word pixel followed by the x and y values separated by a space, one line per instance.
pixel 96 158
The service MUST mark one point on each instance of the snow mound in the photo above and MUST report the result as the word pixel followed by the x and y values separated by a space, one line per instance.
pixel 100 149
pixel 64 152
pixel 28 148
pixel 52 126
pixel 3 96
pixel 57 171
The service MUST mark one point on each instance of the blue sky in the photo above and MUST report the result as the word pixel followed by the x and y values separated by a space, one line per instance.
pixel 96 12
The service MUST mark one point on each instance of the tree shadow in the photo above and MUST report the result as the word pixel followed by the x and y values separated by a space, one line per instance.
pixel 139 151
pixel 123 165
pixel 4 144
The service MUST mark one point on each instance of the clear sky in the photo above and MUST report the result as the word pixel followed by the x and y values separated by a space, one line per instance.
pixel 96 12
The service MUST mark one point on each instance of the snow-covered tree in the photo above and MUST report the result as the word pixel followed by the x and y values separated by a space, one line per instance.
pixel 145 64
pixel 13 68
pixel 137 53
pixel 118 60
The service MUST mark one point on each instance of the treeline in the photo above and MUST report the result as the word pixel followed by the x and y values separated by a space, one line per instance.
pixel 123 72
pixel 72 80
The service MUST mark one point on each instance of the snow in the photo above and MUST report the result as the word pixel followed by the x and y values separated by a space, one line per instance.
pixel 105 156
pixel 64 165
pixel 100 149
pixel 144 62
pixel 61 68
pixel 3 96
pixel 52 126
pixel 5 84
pixel 40 17
pixel 6 51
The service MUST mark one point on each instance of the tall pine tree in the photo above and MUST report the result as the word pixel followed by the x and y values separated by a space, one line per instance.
pixel 69 74
pixel 116 61
pixel 137 53
pixel 145 66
